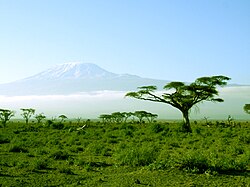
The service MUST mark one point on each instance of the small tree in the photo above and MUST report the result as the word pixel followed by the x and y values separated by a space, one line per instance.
pixel 247 108
pixel 63 118
pixel 140 115
pixel 184 96
pixel 127 115
pixel 151 117
pixel 40 117
pixel 106 118
pixel 5 116
pixel 27 113
pixel 117 117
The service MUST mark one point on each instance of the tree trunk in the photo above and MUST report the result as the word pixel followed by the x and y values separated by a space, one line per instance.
pixel 186 124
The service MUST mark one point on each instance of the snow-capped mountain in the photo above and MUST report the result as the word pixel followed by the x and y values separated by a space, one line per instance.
pixel 73 70
pixel 75 77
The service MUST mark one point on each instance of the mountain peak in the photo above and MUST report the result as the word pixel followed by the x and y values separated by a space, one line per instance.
pixel 73 70
pixel 75 77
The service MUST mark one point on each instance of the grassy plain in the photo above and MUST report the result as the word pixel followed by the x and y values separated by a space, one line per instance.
pixel 157 154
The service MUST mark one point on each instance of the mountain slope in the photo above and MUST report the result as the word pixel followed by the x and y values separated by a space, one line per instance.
pixel 74 77
pixel 74 70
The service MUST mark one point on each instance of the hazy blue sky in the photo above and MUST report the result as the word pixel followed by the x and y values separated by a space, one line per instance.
pixel 163 39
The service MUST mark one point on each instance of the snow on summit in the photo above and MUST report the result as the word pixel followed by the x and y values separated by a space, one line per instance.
pixel 73 70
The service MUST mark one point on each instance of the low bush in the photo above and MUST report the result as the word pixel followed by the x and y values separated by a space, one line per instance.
pixel 57 126
pixel 66 170
pixel 4 139
pixel 40 164
pixel 194 162
pixel 18 149
pixel 60 155
pixel 156 127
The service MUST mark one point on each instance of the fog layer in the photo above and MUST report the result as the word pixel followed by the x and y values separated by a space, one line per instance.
pixel 92 104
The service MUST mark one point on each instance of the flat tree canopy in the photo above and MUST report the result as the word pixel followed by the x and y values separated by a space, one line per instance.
pixel 184 96
pixel 5 116
pixel 27 113
pixel 247 108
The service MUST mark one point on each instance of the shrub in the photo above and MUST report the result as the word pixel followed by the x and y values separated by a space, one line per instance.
pixel 227 163
pixel 128 133
pixel 194 162
pixel 156 128
pixel 58 126
pixel 4 139
pixel 40 164
pixel 66 170
pixel 60 155
pixel 49 123
pixel 18 149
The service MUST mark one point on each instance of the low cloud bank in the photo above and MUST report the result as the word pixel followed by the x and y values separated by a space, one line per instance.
pixel 92 104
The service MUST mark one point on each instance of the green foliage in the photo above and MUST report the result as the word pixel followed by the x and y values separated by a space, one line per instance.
pixel 66 170
pixel 122 117
pixel 156 154
pixel 27 113
pixel 18 149
pixel 5 116
pixel 49 123
pixel 184 96
pixel 57 125
pixel 247 108
pixel 40 117
pixel 60 155
pixel 63 118
pixel 194 162
pixel 4 139
pixel 40 164
pixel 137 155
pixel 157 127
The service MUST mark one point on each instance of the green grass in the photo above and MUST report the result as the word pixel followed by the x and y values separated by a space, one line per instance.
pixel 157 154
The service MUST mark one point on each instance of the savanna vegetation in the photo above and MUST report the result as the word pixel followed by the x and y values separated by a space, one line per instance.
pixel 128 148
pixel 96 153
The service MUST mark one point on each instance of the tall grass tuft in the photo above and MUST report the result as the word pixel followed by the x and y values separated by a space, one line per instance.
pixel 141 155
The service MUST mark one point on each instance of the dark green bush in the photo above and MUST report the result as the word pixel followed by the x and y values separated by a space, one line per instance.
pixel 49 123
pixel 227 164
pixel 58 126
pixel 194 162
pixel 156 128
pixel 18 149
pixel 41 164
pixel 4 139
pixel 60 155
pixel 66 170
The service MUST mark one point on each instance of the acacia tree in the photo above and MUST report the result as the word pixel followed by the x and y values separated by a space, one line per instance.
pixel 5 116
pixel 247 108
pixel 151 117
pixel 106 118
pixel 40 117
pixel 117 117
pixel 27 113
pixel 63 118
pixel 184 96
pixel 126 116
pixel 140 115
